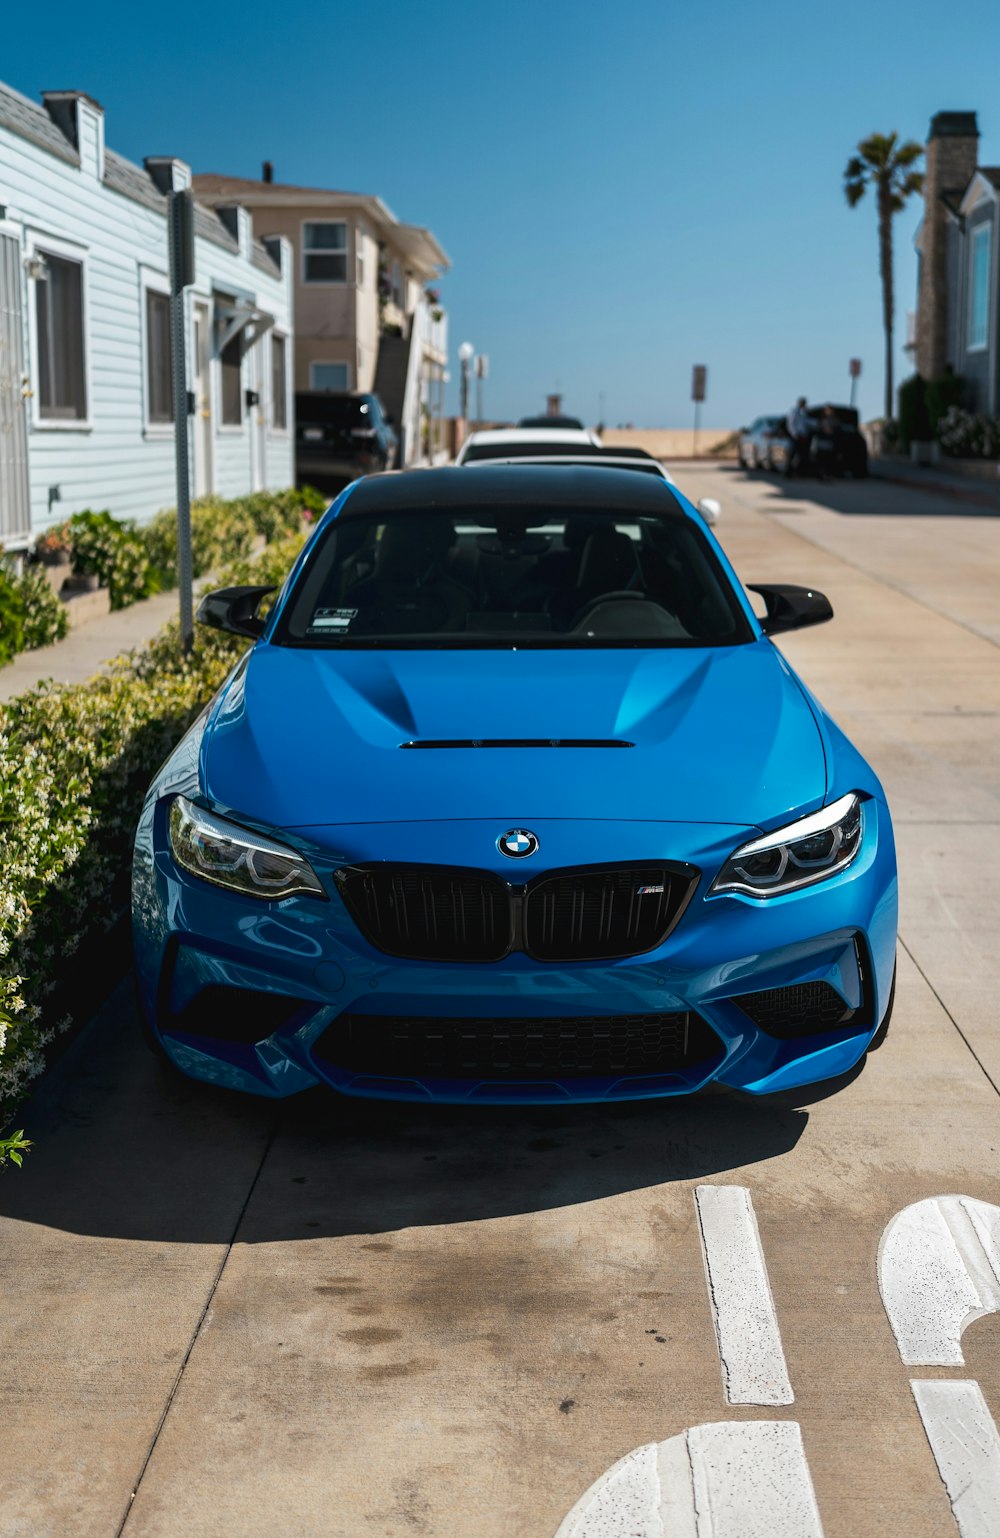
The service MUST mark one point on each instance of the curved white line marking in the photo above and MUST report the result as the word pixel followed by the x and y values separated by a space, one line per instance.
pixel 966 1448
pixel 938 1269
pixel 746 1325
pixel 728 1479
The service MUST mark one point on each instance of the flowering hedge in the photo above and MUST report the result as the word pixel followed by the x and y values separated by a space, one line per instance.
pixel 75 761
pixel 30 613
pixel 969 434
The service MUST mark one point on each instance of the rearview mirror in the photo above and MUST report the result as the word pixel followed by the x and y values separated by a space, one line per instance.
pixel 791 608
pixel 710 510
pixel 234 609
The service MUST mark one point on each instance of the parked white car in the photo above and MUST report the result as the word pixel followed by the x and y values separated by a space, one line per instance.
pixel 515 442
pixel 551 454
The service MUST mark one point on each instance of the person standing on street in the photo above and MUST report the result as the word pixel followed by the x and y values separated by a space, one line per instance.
pixel 800 429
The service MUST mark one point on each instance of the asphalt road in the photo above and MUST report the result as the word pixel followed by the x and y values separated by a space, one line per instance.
pixel 339 1319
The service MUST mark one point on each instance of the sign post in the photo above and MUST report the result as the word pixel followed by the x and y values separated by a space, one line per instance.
pixel 854 369
pixel 699 386
pixel 482 372
pixel 180 235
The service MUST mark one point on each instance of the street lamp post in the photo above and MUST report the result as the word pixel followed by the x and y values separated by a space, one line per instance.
pixel 465 356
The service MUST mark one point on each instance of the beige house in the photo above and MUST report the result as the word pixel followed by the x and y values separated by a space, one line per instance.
pixel 363 316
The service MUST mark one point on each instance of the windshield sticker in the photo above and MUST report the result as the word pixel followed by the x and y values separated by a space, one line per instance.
pixel 332 620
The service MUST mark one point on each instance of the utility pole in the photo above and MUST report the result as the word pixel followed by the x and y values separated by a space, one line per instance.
pixel 180 235
pixel 482 372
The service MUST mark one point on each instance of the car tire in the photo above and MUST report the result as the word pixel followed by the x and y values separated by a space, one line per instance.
pixel 883 1030
pixel 741 461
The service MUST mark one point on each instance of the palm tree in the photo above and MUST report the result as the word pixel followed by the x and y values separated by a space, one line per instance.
pixel 885 165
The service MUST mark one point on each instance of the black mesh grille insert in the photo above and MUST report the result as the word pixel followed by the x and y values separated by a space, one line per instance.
pixel 565 1047
pixel 437 913
pixel 429 913
pixel 598 915
pixel 804 1009
pixel 232 1014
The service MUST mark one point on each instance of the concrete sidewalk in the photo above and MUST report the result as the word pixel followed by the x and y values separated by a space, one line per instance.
pixel 84 650
pixel 968 492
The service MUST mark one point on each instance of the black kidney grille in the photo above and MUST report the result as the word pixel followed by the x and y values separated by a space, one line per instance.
pixel 803 1009
pixel 428 913
pixel 565 1047
pixel 437 913
pixel 597 915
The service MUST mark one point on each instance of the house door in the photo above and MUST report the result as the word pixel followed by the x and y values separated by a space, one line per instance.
pixel 15 508
pixel 203 401
pixel 258 435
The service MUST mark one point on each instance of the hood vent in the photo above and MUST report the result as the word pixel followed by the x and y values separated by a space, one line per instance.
pixel 519 742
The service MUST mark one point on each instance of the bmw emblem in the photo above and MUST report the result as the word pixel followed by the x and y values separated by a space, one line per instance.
pixel 518 843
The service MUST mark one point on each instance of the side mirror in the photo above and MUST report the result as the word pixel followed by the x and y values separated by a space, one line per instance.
pixel 791 608
pixel 234 609
pixel 710 510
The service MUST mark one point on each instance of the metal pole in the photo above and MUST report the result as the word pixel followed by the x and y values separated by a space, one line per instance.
pixel 479 399
pixel 180 233
pixel 697 424
pixel 465 390
pixel 854 387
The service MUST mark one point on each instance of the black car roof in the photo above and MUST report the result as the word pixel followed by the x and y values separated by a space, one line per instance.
pixel 576 487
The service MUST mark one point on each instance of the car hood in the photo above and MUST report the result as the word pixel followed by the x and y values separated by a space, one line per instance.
pixel 303 738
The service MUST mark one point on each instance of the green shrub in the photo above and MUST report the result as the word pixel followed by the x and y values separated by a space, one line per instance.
pixel 45 616
pixel 115 552
pixel 75 762
pixel 11 617
pixel 912 418
pixel 940 395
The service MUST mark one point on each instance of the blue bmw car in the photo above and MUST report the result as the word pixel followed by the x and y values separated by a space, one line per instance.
pixel 512 798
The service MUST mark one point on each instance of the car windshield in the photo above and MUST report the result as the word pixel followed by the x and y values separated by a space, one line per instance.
pixel 338 410
pixel 511 577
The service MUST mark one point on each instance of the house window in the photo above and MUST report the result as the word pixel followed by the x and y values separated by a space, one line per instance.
pixel 159 356
pixel 279 382
pixel 230 367
pixel 62 385
pixel 397 285
pixel 324 253
pixel 359 255
pixel 979 286
pixel 328 376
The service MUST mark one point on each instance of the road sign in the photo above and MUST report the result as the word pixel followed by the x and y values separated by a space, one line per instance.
pixel 854 368
pixel 699 381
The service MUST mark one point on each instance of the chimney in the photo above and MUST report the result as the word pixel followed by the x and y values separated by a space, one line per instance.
pixel 267 171
pixel 553 405
pixel 951 158
pixel 80 119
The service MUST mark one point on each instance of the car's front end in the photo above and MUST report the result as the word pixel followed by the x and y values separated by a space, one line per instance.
pixel 472 975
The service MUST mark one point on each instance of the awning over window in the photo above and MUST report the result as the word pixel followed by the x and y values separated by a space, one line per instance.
pixel 238 312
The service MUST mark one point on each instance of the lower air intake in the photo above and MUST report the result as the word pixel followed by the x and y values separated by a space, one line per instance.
pixel 564 1047
pixel 804 1009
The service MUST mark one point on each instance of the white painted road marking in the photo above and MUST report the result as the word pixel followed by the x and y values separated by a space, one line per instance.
pixel 938 1269
pixel 966 1448
pixel 729 1479
pixel 746 1325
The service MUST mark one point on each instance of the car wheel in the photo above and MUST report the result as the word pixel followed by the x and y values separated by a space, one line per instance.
pixel 740 460
pixel 883 1029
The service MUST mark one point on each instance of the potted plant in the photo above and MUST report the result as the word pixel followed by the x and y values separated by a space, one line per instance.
pixel 52 547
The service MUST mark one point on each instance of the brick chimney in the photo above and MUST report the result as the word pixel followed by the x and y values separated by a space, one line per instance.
pixel 951 158
pixel 267 171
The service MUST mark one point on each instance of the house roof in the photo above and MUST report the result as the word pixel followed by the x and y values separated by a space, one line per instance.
pixel 32 122
pixel 418 244
pixel 992 174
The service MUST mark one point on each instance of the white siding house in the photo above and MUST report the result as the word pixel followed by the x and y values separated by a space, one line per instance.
pixel 86 414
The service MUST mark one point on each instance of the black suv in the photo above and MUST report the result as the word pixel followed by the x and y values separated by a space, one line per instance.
pixel 339 436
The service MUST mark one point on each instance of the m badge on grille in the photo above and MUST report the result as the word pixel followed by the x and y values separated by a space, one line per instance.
pixel 517 843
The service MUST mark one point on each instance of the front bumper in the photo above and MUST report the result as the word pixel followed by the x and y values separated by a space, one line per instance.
pixel 310 960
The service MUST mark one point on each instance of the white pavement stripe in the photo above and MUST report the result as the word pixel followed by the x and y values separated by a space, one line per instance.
pixel 746 1326
pixel 724 1480
pixel 938 1269
pixel 966 1448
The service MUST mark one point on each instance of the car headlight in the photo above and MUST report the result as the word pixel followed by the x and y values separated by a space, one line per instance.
pixel 230 856
pixel 797 855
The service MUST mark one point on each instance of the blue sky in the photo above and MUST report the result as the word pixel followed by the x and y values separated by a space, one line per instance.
pixel 623 191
